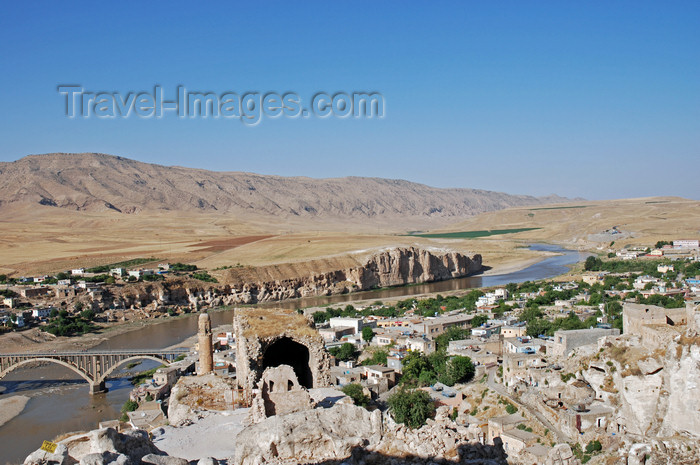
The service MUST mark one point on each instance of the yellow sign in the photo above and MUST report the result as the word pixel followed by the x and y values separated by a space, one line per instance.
pixel 49 446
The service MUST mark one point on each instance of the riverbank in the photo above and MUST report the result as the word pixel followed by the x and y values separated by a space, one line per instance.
pixel 35 340
pixel 12 407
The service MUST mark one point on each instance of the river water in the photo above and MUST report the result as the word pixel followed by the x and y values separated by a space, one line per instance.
pixel 59 400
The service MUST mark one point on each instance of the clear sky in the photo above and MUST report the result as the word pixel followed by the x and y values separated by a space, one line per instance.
pixel 593 99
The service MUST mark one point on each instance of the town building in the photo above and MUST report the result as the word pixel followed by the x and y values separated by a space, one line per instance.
pixel 433 327
pixel 566 341
pixel 356 324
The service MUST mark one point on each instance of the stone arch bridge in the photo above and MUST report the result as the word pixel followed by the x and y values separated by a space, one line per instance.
pixel 93 367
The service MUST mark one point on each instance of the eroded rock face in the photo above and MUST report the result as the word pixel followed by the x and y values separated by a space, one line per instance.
pixel 309 435
pixel 392 267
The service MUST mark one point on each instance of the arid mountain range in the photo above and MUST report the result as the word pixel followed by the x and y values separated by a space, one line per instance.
pixel 97 182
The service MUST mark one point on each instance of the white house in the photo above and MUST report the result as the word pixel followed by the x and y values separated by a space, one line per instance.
pixel 41 312
pixel 78 272
pixel 355 323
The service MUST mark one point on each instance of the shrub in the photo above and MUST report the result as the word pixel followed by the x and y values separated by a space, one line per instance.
pixel 411 407
pixel 357 394
pixel 567 376
pixel 129 406
pixel 594 446
pixel 511 409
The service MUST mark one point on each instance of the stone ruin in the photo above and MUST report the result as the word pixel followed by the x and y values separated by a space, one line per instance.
pixel 267 338
pixel 278 393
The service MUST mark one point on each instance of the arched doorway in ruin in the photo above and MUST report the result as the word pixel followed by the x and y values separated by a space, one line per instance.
pixel 285 351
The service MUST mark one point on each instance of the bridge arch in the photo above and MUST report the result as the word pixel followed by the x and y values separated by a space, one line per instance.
pixel 84 375
pixel 113 368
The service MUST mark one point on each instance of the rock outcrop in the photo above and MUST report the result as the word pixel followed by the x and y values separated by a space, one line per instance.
pixel 320 434
pixel 99 447
pixel 351 434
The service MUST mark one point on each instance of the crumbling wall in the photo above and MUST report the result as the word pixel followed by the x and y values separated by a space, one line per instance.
pixel 258 330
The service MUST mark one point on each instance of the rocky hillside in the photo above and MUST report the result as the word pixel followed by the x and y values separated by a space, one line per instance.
pixel 95 182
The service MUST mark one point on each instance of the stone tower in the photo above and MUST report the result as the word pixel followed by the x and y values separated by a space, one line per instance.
pixel 206 355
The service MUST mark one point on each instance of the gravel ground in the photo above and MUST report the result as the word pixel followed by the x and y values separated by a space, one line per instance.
pixel 214 435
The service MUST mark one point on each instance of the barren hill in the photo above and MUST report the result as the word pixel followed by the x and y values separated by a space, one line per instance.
pixel 97 182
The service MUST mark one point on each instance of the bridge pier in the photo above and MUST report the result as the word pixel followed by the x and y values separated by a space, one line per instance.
pixel 98 388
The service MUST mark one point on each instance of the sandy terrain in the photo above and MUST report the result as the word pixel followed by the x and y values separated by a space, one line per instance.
pixel 10 407
pixel 641 221
pixel 46 239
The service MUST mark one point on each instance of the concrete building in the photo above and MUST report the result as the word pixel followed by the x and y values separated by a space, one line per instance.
pixel 566 341
pixel 465 347
pixel 34 292
pixel 522 345
pixel 687 243
pixel 486 331
pixel 376 372
pixel 433 327
pixel 513 331
pixel 335 334
pixel 346 322
pixel 165 376
pixel 41 312
pixel 420 344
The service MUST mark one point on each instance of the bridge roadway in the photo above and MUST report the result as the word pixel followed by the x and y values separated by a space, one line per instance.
pixel 94 367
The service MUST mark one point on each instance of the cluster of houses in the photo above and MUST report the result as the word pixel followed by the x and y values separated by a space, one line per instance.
pixel 679 248
pixel 33 297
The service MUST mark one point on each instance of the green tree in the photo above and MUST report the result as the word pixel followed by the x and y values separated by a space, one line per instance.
pixel 593 264
pixel 414 364
pixel 367 333
pixel 479 320
pixel 356 393
pixel 411 407
pixel 538 326
pixel 460 369
pixel 344 352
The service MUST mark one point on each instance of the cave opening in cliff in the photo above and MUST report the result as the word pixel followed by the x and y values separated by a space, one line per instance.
pixel 285 351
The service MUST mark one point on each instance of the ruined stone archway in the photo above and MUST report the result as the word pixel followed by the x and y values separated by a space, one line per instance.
pixel 285 351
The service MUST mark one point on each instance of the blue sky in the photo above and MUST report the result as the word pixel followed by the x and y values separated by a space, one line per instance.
pixel 591 99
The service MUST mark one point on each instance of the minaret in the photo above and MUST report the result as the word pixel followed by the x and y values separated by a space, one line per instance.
pixel 206 355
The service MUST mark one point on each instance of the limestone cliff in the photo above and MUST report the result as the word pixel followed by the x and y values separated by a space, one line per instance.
pixel 392 267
